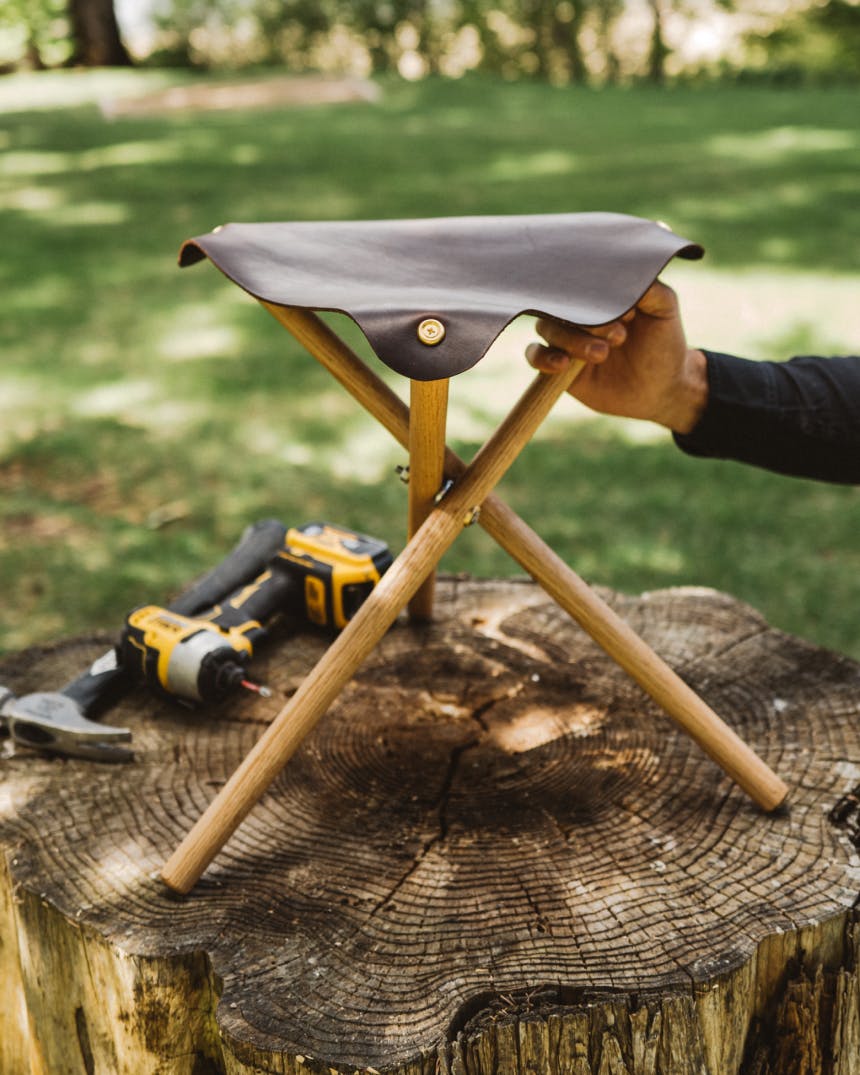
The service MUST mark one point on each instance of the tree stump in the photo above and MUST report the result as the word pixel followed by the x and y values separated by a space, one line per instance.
pixel 494 855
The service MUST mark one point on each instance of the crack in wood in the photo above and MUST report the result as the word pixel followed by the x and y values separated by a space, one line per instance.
pixel 84 1045
pixel 519 815
pixel 440 806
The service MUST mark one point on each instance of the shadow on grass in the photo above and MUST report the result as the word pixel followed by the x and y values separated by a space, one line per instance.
pixel 78 538
pixel 644 516
pixel 128 386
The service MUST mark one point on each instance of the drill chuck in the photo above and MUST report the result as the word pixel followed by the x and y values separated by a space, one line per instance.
pixel 183 657
pixel 203 669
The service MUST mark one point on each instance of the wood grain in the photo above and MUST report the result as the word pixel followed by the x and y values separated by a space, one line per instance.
pixel 364 631
pixel 428 413
pixel 578 599
pixel 490 856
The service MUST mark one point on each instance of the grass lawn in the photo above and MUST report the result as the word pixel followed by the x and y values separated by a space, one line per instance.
pixel 148 414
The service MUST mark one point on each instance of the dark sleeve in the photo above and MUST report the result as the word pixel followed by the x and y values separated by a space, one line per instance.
pixel 800 417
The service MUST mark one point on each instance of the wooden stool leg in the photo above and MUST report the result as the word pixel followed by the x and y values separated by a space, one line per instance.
pixel 427 414
pixel 604 625
pixel 283 736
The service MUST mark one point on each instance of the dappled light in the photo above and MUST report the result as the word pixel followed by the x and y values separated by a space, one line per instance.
pixel 129 387
pixel 779 142
pixel 533 165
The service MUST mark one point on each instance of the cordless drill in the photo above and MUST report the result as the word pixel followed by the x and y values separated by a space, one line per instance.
pixel 322 574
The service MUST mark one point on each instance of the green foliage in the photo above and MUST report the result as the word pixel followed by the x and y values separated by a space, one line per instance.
pixel 37 31
pixel 147 415
pixel 560 41
pixel 821 44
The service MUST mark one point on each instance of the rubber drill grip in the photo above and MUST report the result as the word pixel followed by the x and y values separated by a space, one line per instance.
pixel 259 543
pixel 274 590
pixel 105 680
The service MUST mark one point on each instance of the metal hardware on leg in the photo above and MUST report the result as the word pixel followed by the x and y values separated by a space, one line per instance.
pixel 400 582
pixel 604 625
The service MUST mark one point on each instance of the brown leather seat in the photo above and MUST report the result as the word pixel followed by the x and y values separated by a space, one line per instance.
pixel 474 274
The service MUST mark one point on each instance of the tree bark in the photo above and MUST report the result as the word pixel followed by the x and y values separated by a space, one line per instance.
pixel 96 36
pixel 658 49
pixel 494 855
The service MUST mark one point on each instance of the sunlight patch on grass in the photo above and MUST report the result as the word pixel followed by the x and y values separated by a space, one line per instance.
pixel 758 312
pixel 186 368
pixel 199 335
pixel 117 399
pixel 660 559
pixel 92 214
pixel 70 89
pixel 38 163
pixel 25 405
pixel 297 454
pixel 169 416
pixel 32 199
pixel 120 154
pixel 728 209
pixel 17 393
pixel 780 141
pixel 34 163
pixel 140 403
pixel 245 154
pixel 366 455
pixel 532 165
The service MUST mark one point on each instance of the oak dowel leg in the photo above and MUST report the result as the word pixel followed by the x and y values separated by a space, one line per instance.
pixel 427 413
pixel 360 636
pixel 604 625
pixel 641 663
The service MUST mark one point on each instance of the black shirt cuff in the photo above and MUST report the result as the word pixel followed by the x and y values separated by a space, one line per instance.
pixel 800 417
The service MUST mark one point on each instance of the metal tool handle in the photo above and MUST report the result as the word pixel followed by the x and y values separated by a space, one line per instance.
pixel 105 680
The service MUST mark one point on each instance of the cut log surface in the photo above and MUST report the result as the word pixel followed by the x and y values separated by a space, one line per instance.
pixel 494 854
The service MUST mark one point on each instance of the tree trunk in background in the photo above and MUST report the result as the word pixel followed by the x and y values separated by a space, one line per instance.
pixel 607 12
pixel 95 31
pixel 565 39
pixel 658 50
pixel 493 856
pixel 578 69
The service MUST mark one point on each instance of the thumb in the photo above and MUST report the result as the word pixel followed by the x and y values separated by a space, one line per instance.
pixel 659 301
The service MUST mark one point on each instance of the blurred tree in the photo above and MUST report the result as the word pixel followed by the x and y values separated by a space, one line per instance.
pixel 376 21
pixel 820 43
pixel 95 35
pixel 177 21
pixel 658 49
pixel 291 28
pixel 536 37
pixel 39 28
pixel 563 41
pixel 607 11
pixel 556 29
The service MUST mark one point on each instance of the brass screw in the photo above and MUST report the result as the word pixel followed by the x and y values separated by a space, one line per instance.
pixel 431 331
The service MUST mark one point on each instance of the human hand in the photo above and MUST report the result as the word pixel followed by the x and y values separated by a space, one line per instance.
pixel 636 367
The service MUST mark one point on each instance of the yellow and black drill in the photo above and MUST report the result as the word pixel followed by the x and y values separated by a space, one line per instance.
pixel 322 574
